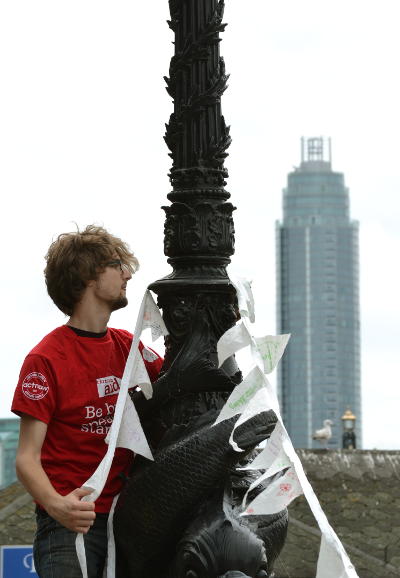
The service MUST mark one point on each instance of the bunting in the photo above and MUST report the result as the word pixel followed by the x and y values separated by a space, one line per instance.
pixel 254 395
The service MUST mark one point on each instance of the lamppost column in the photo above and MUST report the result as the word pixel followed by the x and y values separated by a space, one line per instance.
pixel 199 229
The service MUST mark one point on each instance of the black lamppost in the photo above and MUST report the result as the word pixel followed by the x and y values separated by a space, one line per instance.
pixel 199 230
pixel 178 516
pixel 349 435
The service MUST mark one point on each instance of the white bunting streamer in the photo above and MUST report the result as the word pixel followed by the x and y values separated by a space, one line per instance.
pixel 232 341
pixel 255 391
pixel 273 456
pixel 131 435
pixel 141 378
pixel 271 348
pixel 277 495
pixel 152 318
pixel 279 453
pixel 347 569
pixel 126 430
pixel 262 399
pixel 242 395
pixel 280 463
pixel 111 557
pixel 244 296
pixel 331 563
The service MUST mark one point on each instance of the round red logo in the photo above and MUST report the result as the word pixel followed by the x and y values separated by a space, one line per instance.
pixel 35 386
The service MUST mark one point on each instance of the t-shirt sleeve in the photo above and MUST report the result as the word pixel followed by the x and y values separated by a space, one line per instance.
pixel 35 394
pixel 152 361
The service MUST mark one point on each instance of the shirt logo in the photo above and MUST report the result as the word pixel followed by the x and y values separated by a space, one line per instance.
pixel 149 355
pixel 35 386
pixel 108 385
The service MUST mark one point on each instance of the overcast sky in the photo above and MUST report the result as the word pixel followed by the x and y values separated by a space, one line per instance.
pixel 82 113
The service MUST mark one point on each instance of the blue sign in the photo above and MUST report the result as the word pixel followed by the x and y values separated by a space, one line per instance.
pixel 16 562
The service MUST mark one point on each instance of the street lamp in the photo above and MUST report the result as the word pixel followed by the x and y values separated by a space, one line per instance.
pixel 176 533
pixel 349 436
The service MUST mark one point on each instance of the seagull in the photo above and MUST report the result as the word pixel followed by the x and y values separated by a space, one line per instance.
pixel 324 435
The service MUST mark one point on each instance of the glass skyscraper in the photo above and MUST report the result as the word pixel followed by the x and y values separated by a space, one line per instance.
pixel 318 299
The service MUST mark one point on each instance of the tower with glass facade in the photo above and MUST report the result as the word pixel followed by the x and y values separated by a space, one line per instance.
pixel 318 299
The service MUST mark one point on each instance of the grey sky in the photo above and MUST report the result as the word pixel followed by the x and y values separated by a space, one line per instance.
pixel 82 113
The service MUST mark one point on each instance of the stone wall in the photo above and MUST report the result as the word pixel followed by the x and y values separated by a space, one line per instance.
pixel 359 492
pixel 17 516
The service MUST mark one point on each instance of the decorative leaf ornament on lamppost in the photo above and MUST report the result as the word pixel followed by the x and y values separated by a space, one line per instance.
pixel 178 517
pixel 199 231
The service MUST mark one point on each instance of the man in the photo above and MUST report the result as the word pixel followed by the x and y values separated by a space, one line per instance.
pixel 66 396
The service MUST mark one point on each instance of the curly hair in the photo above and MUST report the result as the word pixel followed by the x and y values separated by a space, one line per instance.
pixel 74 259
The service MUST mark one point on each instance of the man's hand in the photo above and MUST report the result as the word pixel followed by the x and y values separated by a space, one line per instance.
pixel 69 510
pixel 72 512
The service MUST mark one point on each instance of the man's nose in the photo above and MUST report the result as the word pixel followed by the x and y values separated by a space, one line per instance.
pixel 126 274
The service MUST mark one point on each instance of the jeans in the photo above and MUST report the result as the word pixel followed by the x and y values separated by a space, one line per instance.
pixel 54 548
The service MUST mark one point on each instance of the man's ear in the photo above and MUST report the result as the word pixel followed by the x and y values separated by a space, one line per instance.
pixel 90 283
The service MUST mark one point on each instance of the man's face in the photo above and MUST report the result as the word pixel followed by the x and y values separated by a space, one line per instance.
pixel 110 286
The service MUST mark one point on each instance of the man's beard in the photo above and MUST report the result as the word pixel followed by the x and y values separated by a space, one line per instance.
pixel 119 303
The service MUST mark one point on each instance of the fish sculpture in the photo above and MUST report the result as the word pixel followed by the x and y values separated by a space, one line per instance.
pixel 180 494
pixel 159 498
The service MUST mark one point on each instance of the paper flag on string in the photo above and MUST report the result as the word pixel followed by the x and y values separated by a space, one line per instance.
pixel 280 463
pixel 141 378
pixel 232 341
pixel 261 401
pixel 131 435
pixel 271 348
pixel 273 457
pixel 152 318
pixel 242 394
pixel 252 399
pixel 244 296
pixel 331 564
pixel 277 496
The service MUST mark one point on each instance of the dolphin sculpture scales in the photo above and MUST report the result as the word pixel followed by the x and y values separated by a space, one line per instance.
pixel 178 517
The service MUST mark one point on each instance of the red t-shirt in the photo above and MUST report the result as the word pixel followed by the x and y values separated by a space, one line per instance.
pixel 71 383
